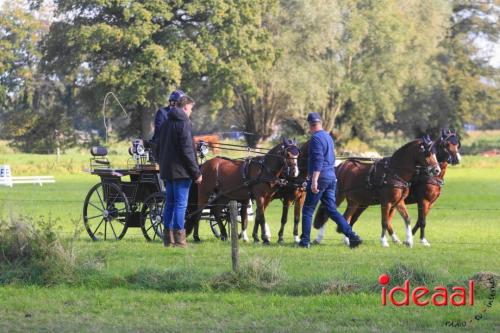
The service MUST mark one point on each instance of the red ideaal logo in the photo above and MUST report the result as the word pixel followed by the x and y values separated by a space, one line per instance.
pixel 439 297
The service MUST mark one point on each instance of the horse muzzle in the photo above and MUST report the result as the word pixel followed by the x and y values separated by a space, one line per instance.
pixel 455 159
pixel 434 170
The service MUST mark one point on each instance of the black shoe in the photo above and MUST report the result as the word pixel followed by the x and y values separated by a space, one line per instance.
pixel 304 246
pixel 354 241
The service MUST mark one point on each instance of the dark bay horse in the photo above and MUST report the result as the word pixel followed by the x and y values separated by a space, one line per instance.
pixel 426 188
pixel 291 191
pixel 254 178
pixel 385 182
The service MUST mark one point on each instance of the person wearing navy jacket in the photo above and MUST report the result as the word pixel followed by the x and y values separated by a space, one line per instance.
pixel 162 113
pixel 322 182
pixel 178 168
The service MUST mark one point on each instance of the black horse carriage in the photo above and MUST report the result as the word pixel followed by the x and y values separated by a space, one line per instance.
pixel 131 197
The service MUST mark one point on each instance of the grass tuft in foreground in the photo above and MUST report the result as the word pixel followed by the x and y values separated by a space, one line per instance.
pixel 257 273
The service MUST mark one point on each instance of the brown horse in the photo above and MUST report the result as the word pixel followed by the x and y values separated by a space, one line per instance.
pixel 425 188
pixel 239 180
pixel 291 191
pixel 385 182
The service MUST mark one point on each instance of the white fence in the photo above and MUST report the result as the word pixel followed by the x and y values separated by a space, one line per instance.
pixel 6 178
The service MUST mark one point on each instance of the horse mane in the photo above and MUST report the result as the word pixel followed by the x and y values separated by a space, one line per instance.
pixel 274 150
pixel 397 154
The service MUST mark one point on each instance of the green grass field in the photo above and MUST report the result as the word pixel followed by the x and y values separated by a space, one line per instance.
pixel 135 286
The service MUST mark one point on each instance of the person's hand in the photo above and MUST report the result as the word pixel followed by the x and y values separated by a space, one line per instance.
pixel 199 179
pixel 314 187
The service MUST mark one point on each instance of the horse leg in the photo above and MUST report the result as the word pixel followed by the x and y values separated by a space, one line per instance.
pixel 401 207
pixel 265 231
pixel 321 216
pixel 258 217
pixel 350 211
pixel 218 218
pixel 299 203
pixel 244 221
pixel 196 235
pixel 353 220
pixel 422 218
pixel 192 224
pixel 284 218
pixel 390 228
pixel 385 210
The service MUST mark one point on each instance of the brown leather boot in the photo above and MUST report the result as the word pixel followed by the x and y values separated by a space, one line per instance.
pixel 168 237
pixel 180 238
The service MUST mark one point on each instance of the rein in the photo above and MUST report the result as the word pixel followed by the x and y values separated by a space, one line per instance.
pixel 251 182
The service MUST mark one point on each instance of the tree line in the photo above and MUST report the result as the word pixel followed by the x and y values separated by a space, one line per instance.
pixel 258 66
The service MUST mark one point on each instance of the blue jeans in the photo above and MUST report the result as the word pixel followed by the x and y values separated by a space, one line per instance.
pixel 176 200
pixel 327 195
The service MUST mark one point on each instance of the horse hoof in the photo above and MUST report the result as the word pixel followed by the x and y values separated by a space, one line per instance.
pixel 281 241
pixel 424 242
pixel 408 244
pixel 223 238
pixel 256 241
pixel 396 240
pixel 266 242
pixel 316 242
pixel 197 239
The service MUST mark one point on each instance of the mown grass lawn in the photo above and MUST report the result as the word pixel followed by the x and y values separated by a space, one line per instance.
pixel 134 286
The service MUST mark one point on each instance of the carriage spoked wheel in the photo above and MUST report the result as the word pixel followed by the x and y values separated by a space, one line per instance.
pixel 214 226
pixel 152 217
pixel 105 212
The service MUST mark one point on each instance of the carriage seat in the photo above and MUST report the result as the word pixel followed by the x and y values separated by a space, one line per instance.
pixel 99 154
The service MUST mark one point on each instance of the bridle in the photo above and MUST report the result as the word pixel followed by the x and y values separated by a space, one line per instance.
pixel 444 143
pixel 428 147
pixel 282 154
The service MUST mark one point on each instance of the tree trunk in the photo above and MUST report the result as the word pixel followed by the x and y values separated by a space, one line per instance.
pixel 147 118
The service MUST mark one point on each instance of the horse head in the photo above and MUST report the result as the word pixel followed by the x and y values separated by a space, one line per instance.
pixel 290 152
pixel 448 147
pixel 427 156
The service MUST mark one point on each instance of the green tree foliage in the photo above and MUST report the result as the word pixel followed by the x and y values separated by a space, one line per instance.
pixel 19 35
pixel 367 66
pixel 353 58
pixel 464 86
pixel 34 108
pixel 142 49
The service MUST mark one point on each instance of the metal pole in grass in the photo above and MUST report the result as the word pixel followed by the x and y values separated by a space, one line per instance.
pixel 233 216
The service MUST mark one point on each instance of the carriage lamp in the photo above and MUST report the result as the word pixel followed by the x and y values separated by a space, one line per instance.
pixel 138 151
pixel 202 149
pixel 137 147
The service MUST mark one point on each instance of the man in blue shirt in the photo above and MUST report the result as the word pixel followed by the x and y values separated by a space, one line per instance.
pixel 322 183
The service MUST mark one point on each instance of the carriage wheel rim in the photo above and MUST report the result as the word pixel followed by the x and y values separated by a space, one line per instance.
pixel 151 215
pixel 112 211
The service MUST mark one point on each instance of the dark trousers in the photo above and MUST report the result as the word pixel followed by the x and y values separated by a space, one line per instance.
pixel 327 196
pixel 176 200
